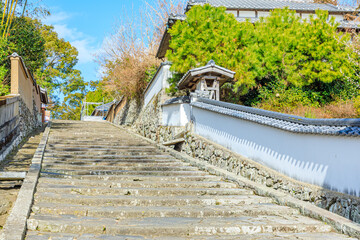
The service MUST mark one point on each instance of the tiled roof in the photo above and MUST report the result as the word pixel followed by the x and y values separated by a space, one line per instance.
pixel 178 100
pixel 269 4
pixel 105 107
pixel 174 17
pixel 296 124
pixel 209 68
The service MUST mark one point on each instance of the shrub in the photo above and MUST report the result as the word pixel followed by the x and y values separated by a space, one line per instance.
pixel 281 61
pixel 279 97
pixel 4 80
pixel 4 89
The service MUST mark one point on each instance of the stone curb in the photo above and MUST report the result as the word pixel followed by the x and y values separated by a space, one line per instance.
pixel 15 226
pixel 339 223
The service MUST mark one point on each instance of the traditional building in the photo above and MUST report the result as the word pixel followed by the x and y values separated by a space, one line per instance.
pixel 206 80
pixel 252 10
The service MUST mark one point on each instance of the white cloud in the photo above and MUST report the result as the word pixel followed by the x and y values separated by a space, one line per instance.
pixel 86 51
pixel 83 43
pixel 56 18
pixel 68 33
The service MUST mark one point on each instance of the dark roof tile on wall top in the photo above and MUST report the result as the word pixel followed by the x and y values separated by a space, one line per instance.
pixel 343 129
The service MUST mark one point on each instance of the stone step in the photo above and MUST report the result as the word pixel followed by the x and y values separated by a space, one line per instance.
pixel 84 190
pixel 128 200
pixel 141 163
pixel 77 147
pixel 112 160
pixel 122 172
pixel 121 148
pixel 100 141
pixel 107 156
pixel 34 235
pixel 115 140
pixel 31 235
pixel 137 183
pixel 123 159
pixel 71 148
pixel 185 227
pixel 50 167
pixel 105 151
pixel 130 177
pixel 100 153
pixel 116 144
pixel 83 133
pixel 118 212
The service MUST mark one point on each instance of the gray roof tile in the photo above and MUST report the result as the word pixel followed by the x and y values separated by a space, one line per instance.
pixel 269 4
pixel 339 127
pixel 178 100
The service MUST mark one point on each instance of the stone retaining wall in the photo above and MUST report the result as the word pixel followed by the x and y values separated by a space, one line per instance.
pixel 345 205
pixel 28 121
pixel 129 113
pixel 148 123
pixel 23 124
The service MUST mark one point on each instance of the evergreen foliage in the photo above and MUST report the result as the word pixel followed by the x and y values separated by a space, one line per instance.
pixel 302 61
pixel 4 86
pixel 28 42
pixel 58 72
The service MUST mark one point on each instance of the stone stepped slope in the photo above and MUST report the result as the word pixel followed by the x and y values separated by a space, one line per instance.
pixel 100 182
pixel 18 160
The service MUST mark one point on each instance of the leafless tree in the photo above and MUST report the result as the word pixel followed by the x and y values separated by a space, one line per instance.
pixel 128 58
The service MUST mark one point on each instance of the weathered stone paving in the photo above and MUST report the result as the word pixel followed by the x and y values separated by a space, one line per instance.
pixel 100 182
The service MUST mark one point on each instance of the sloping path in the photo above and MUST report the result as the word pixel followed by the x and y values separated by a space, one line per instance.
pixel 100 182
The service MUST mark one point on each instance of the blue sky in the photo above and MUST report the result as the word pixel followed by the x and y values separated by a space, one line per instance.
pixel 85 24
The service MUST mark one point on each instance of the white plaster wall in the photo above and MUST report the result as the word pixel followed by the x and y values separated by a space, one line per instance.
pixel 338 18
pixel 234 12
pixel 176 114
pixel 247 14
pixel 263 14
pixel 307 15
pixel 159 82
pixel 329 161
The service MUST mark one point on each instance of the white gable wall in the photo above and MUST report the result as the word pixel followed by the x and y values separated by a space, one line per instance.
pixel 177 114
pixel 159 82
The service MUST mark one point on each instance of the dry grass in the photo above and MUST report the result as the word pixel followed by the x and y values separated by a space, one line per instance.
pixel 334 2
pixel 126 56
pixel 339 109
